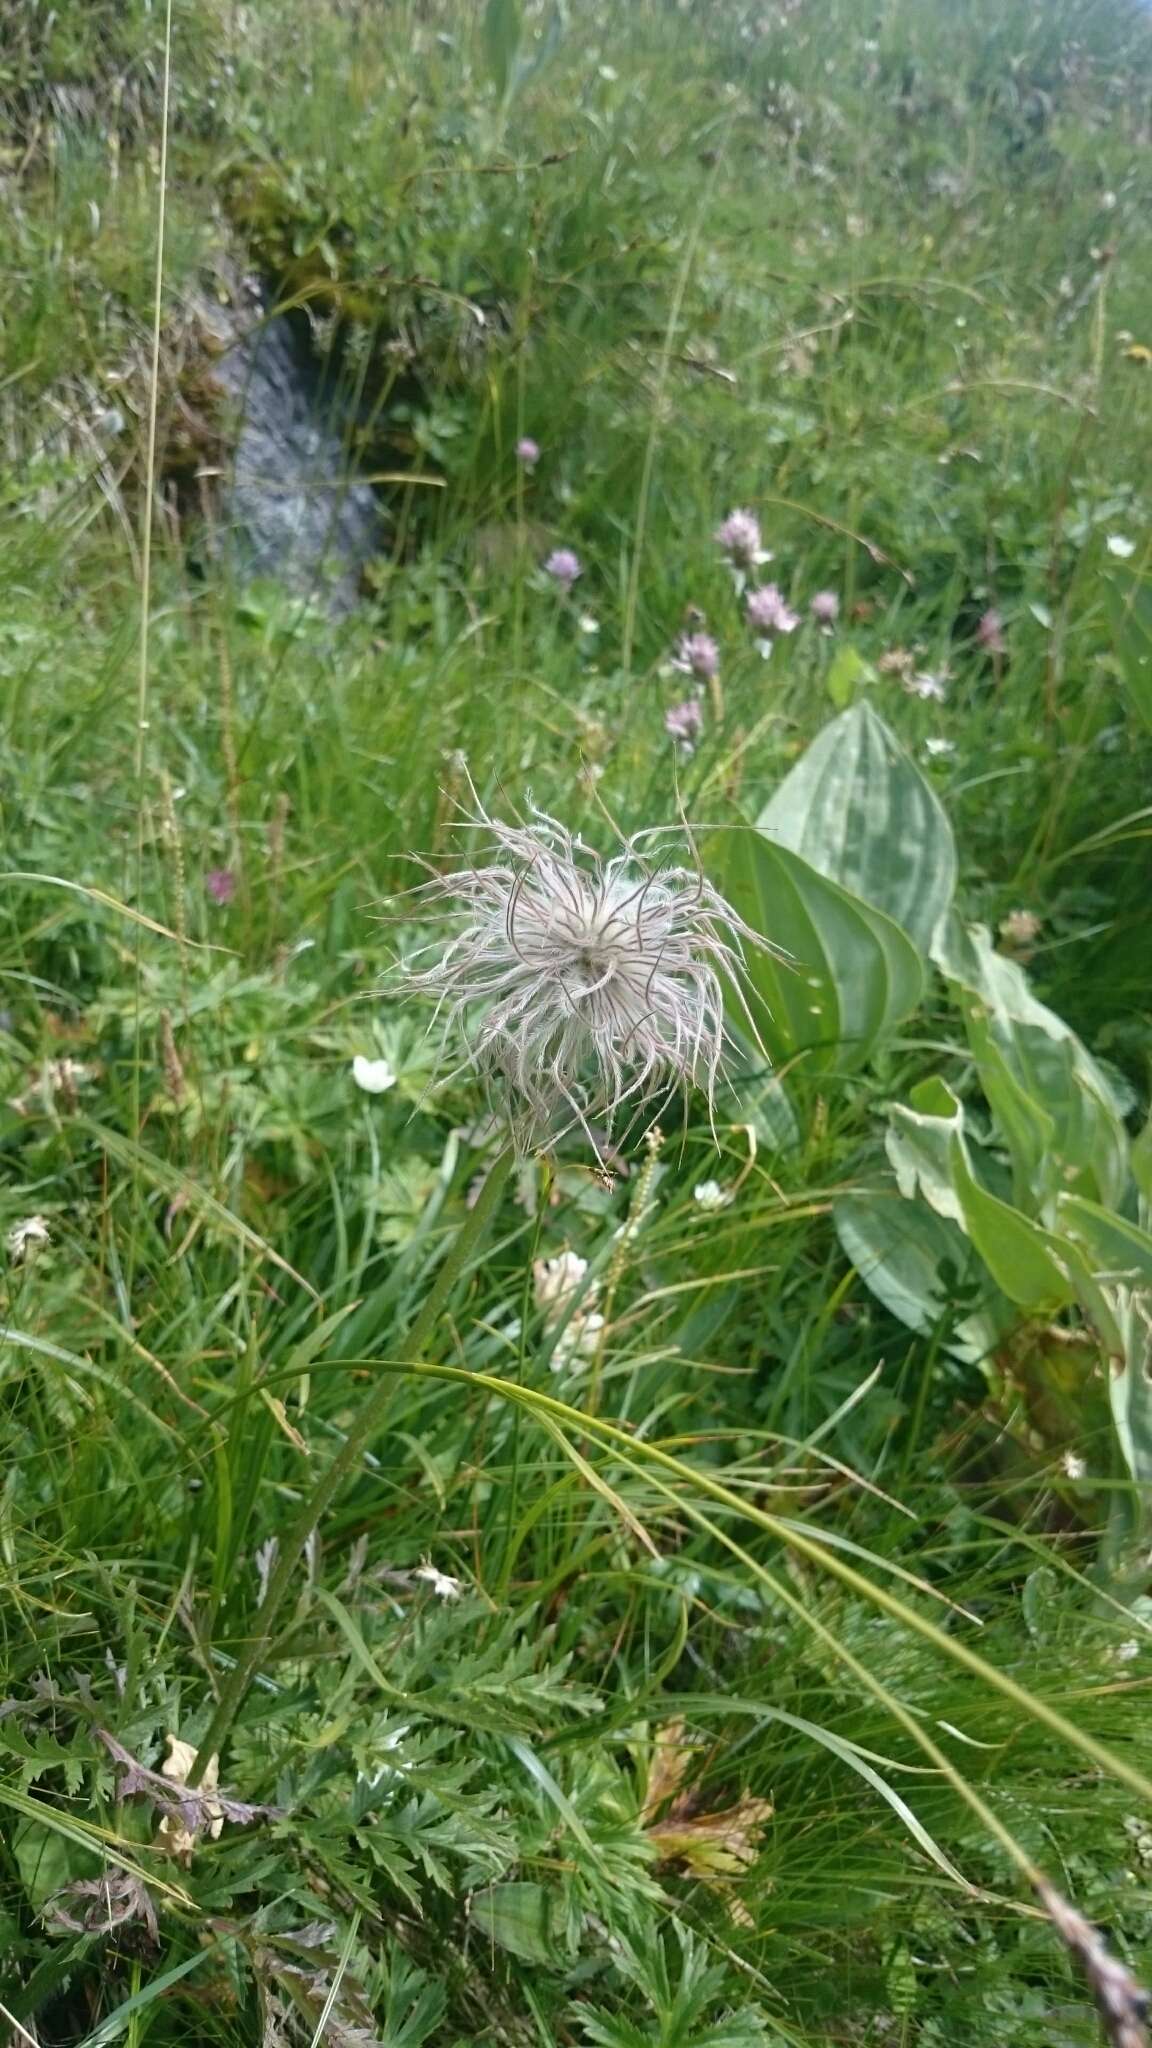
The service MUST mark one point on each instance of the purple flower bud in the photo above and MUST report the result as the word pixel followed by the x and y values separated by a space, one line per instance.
pixel 697 655
pixel 220 884
pixel 825 607
pixel 564 567
pixel 767 611
pixel 527 451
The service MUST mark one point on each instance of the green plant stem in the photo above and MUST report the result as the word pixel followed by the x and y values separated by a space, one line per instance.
pixel 316 1503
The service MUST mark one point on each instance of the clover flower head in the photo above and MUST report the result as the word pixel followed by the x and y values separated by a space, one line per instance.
pixel 990 632
pixel 583 986
pixel 564 566
pixel 685 722
pixel 1020 928
pixel 27 1239
pixel 527 451
pixel 697 655
pixel 767 612
pixel 220 884
pixel 739 536
pixel 824 606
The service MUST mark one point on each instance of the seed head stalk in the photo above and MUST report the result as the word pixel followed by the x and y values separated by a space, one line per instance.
pixel 316 1503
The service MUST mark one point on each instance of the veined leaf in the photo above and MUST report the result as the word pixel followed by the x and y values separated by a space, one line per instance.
pixel 851 974
pixel 1114 1248
pixel 1023 1259
pixel 858 810
pixel 1044 1057
pixel 1029 1131
pixel 1130 1381
pixel 914 1261
pixel 919 1146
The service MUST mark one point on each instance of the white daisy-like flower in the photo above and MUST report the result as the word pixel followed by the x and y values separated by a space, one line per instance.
pixel 581 984
pixel 1118 544
pixel 708 1194
pixel 375 1077
pixel 27 1239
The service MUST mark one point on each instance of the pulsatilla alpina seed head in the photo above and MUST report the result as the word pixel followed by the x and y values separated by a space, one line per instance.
pixel 583 985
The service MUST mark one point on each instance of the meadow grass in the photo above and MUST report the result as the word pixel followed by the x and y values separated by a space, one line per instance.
pixel 722 1672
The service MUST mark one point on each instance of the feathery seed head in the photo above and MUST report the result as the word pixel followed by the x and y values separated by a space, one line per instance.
pixel 582 985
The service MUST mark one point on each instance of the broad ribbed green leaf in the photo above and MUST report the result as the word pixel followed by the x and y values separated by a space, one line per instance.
pixel 1023 1259
pixel 1114 1248
pixel 850 975
pixel 1130 1386
pixel 1027 1129
pixel 916 1263
pixel 1044 1057
pixel 857 809
pixel 919 1146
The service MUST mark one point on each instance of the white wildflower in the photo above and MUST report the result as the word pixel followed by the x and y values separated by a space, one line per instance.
pixel 581 984
pixel 932 689
pixel 1074 1467
pixel 375 1077
pixel 1118 544
pixel 708 1194
pixel 1020 927
pixel 937 749
pixel 444 1587
pixel 578 1341
pixel 63 1078
pixel 556 1283
pixel 27 1239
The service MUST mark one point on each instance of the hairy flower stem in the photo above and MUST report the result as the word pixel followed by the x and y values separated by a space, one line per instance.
pixel 367 1423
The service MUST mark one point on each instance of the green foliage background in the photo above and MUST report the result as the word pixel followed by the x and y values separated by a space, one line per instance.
pixel 883 275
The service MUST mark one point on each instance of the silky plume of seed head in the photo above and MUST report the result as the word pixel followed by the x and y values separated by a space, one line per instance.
pixel 584 986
